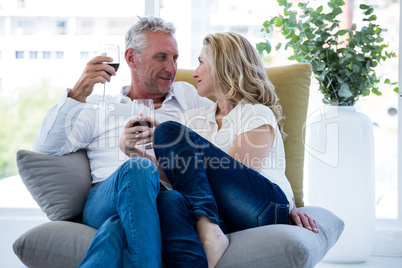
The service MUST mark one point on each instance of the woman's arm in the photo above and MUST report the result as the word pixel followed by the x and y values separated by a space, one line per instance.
pixel 251 147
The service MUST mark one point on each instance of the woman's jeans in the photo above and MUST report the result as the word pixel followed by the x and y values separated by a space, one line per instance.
pixel 123 209
pixel 213 184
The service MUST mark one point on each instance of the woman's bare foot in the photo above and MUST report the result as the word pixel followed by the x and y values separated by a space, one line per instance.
pixel 213 240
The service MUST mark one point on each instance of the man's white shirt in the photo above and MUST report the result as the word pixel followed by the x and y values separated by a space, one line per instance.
pixel 71 125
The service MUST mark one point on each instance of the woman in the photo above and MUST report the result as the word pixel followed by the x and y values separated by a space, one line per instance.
pixel 228 167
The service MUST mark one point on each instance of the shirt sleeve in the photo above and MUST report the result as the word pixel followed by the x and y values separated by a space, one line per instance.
pixel 62 129
pixel 256 115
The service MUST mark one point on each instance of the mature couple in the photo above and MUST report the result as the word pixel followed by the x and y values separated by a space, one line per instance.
pixel 220 190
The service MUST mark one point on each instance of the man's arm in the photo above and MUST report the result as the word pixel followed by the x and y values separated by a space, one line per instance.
pixel 96 71
pixel 60 132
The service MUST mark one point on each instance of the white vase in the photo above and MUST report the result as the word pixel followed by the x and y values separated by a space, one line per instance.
pixel 341 178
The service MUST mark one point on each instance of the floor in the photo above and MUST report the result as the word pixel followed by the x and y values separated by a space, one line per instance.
pixel 372 262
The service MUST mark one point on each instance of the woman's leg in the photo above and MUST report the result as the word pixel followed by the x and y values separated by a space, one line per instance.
pixel 127 197
pixel 209 178
pixel 212 238
pixel 180 244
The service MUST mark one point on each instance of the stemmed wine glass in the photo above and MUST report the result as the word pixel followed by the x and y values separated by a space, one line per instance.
pixel 113 51
pixel 145 108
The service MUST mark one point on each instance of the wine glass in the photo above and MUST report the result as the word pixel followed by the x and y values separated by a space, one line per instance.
pixel 113 51
pixel 145 108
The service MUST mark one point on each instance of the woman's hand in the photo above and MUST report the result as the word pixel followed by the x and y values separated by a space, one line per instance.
pixel 301 219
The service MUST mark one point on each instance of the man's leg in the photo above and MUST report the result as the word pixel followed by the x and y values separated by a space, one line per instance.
pixel 130 193
pixel 106 247
pixel 180 244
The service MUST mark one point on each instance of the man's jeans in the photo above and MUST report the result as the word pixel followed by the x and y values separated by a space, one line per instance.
pixel 207 180
pixel 123 209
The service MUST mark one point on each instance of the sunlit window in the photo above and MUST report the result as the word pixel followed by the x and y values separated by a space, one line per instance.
pixel 19 54
pixel 33 54
pixel 55 48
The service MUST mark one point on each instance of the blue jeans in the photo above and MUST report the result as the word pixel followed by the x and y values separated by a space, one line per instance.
pixel 180 243
pixel 213 184
pixel 123 208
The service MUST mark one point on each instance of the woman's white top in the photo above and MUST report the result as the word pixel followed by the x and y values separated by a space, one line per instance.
pixel 243 118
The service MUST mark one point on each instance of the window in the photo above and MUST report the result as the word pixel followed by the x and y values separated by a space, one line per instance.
pixel 59 55
pixel 46 55
pixel 33 54
pixel 84 55
pixel 61 27
pixel 51 52
pixel 195 19
pixel 19 54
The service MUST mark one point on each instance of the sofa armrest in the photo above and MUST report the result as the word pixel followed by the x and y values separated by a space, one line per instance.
pixel 285 246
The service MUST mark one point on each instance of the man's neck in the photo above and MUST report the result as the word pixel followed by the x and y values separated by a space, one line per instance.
pixel 158 98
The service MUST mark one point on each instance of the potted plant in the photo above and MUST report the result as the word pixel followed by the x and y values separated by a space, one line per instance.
pixel 341 143
pixel 342 60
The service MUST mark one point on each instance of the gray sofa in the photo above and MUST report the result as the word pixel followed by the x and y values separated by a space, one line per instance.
pixel 60 184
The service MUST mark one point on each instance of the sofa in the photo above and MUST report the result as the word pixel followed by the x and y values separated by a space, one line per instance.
pixel 60 184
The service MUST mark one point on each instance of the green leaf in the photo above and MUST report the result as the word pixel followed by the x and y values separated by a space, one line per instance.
pixel 322 76
pixel 355 68
pixel 321 66
pixel 264 46
pixel 369 11
pixel 360 57
pixel 342 32
pixel 376 91
pixel 364 7
pixel 345 91
pixel 387 81
pixel 278 46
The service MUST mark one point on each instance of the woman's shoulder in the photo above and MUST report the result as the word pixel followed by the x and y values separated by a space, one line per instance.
pixel 201 110
pixel 256 109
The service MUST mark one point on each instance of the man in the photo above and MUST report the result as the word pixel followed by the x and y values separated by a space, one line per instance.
pixel 122 202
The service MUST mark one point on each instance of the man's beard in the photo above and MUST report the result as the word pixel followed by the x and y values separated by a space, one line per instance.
pixel 151 83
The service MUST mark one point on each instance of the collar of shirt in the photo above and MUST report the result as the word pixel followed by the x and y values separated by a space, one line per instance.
pixel 122 97
pixel 233 115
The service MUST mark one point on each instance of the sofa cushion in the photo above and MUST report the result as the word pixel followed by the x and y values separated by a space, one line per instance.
pixel 59 184
pixel 285 246
pixel 281 245
pixel 59 244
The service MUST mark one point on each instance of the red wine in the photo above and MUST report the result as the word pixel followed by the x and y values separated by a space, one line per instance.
pixel 115 66
pixel 142 123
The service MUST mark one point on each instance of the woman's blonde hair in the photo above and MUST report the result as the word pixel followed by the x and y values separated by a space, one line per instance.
pixel 236 68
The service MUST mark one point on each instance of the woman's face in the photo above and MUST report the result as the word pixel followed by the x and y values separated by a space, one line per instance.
pixel 203 76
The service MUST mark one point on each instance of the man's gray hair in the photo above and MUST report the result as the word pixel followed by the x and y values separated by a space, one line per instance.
pixel 135 35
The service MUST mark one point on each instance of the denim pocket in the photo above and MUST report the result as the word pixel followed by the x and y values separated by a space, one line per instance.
pixel 273 214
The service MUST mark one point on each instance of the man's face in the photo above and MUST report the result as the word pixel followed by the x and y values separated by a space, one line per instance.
pixel 157 63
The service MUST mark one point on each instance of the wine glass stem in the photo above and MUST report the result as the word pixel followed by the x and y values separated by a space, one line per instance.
pixel 104 93
pixel 144 150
